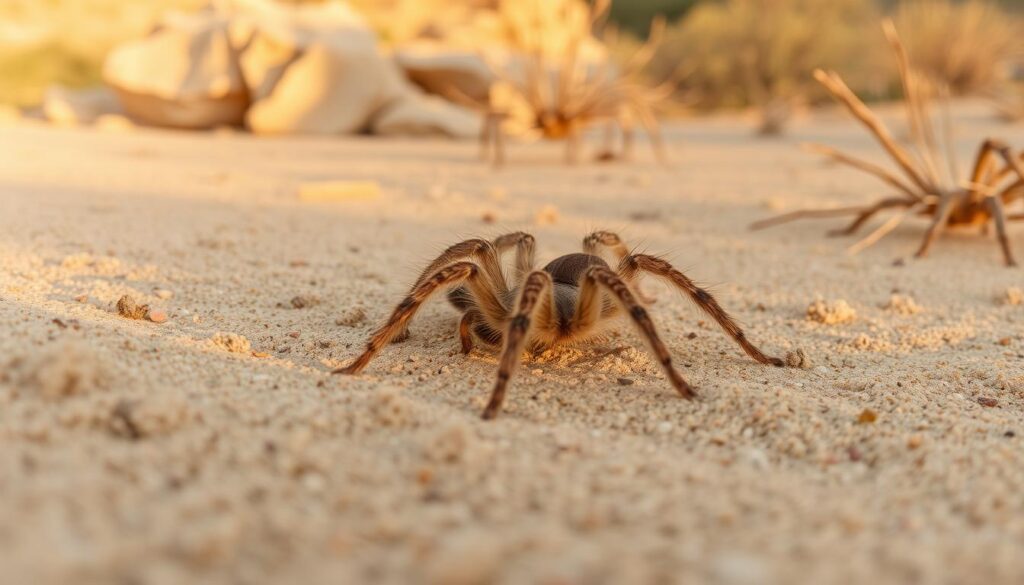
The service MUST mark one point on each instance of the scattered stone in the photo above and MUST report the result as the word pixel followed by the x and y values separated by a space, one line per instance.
pixel 82 298
pixel 903 305
pixel 304 301
pixel 625 381
pixel 1005 341
pixel 855 454
pixel 548 215
pixel 915 441
pixel 798 359
pixel 351 318
pixel 488 218
pixel 158 316
pixel 231 342
pixel 1013 296
pixel 867 416
pixel 988 402
pixel 59 371
pixel 162 294
pixel 128 308
pixel 148 417
pixel 831 313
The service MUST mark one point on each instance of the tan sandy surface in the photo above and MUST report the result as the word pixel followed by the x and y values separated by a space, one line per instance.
pixel 141 453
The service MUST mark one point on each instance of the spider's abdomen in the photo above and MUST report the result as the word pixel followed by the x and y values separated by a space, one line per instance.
pixel 569 269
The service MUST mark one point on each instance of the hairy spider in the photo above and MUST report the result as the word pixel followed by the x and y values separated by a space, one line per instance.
pixel 570 300
pixel 924 188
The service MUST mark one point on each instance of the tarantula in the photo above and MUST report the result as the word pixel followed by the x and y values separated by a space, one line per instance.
pixel 570 300
pixel 558 94
pixel 949 203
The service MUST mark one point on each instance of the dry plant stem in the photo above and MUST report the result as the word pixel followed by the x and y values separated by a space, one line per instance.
pixel 565 303
pixel 838 88
pixel 980 201
pixel 865 166
pixel 882 230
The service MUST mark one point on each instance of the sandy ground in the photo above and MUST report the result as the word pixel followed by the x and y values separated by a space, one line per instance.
pixel 141 453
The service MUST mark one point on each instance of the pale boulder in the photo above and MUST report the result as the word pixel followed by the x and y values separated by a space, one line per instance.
pixel 335 87
pixel 441 70
pixel 185 74
pixel 420 115
pixel 69 107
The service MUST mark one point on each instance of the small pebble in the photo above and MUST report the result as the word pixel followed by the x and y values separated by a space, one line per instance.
pixel 82 298
pixel 158 316
pixel 915 441
pixel 625 381
pixel 988 402
pixel 162 294
pixel 867 416
pixel 128 308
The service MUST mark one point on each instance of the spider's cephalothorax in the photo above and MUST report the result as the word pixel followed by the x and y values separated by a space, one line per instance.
pixel 925 186
pixel 569 300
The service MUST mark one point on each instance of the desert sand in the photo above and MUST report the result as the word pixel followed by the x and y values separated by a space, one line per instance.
pixel 216 448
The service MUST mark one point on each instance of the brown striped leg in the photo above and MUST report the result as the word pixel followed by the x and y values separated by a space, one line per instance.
pixel 466 330
pixel 658 267
pixel 598 241
pixel 442 279
pixel 999 216
pixel 480 251
pixel 938 224
pixel 524 258
pixel 535 294
pixel 601 277
pixel 868 213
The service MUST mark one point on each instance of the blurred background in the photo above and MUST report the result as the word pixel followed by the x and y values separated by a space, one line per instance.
pixel 717 54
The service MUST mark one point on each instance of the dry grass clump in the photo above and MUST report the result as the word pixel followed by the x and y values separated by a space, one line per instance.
pixel 558 81
pixel 762 53
pixel 928 180
pixel 965 45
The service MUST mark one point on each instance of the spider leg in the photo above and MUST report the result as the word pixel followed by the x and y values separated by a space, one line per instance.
pixel 466 330
pixel 999 215
pixel 446 277
pixel 938 224
pixel 599 277
pixel 658 267
pixel 598 241
pixel 524 244
pixel 480 251
pixel 535 293
pixel 868 213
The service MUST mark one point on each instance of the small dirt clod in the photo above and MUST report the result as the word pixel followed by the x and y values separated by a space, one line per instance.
pixel 129 309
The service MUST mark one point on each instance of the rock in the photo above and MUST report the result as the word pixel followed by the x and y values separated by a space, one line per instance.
pixel 129 309
pixel 186 74
pixel 335 87
pixel 440 70
pixel 831 313
pixel 68 107
pixel 158 316
pixel 420 115
pixel 59 371
pixel 231 342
